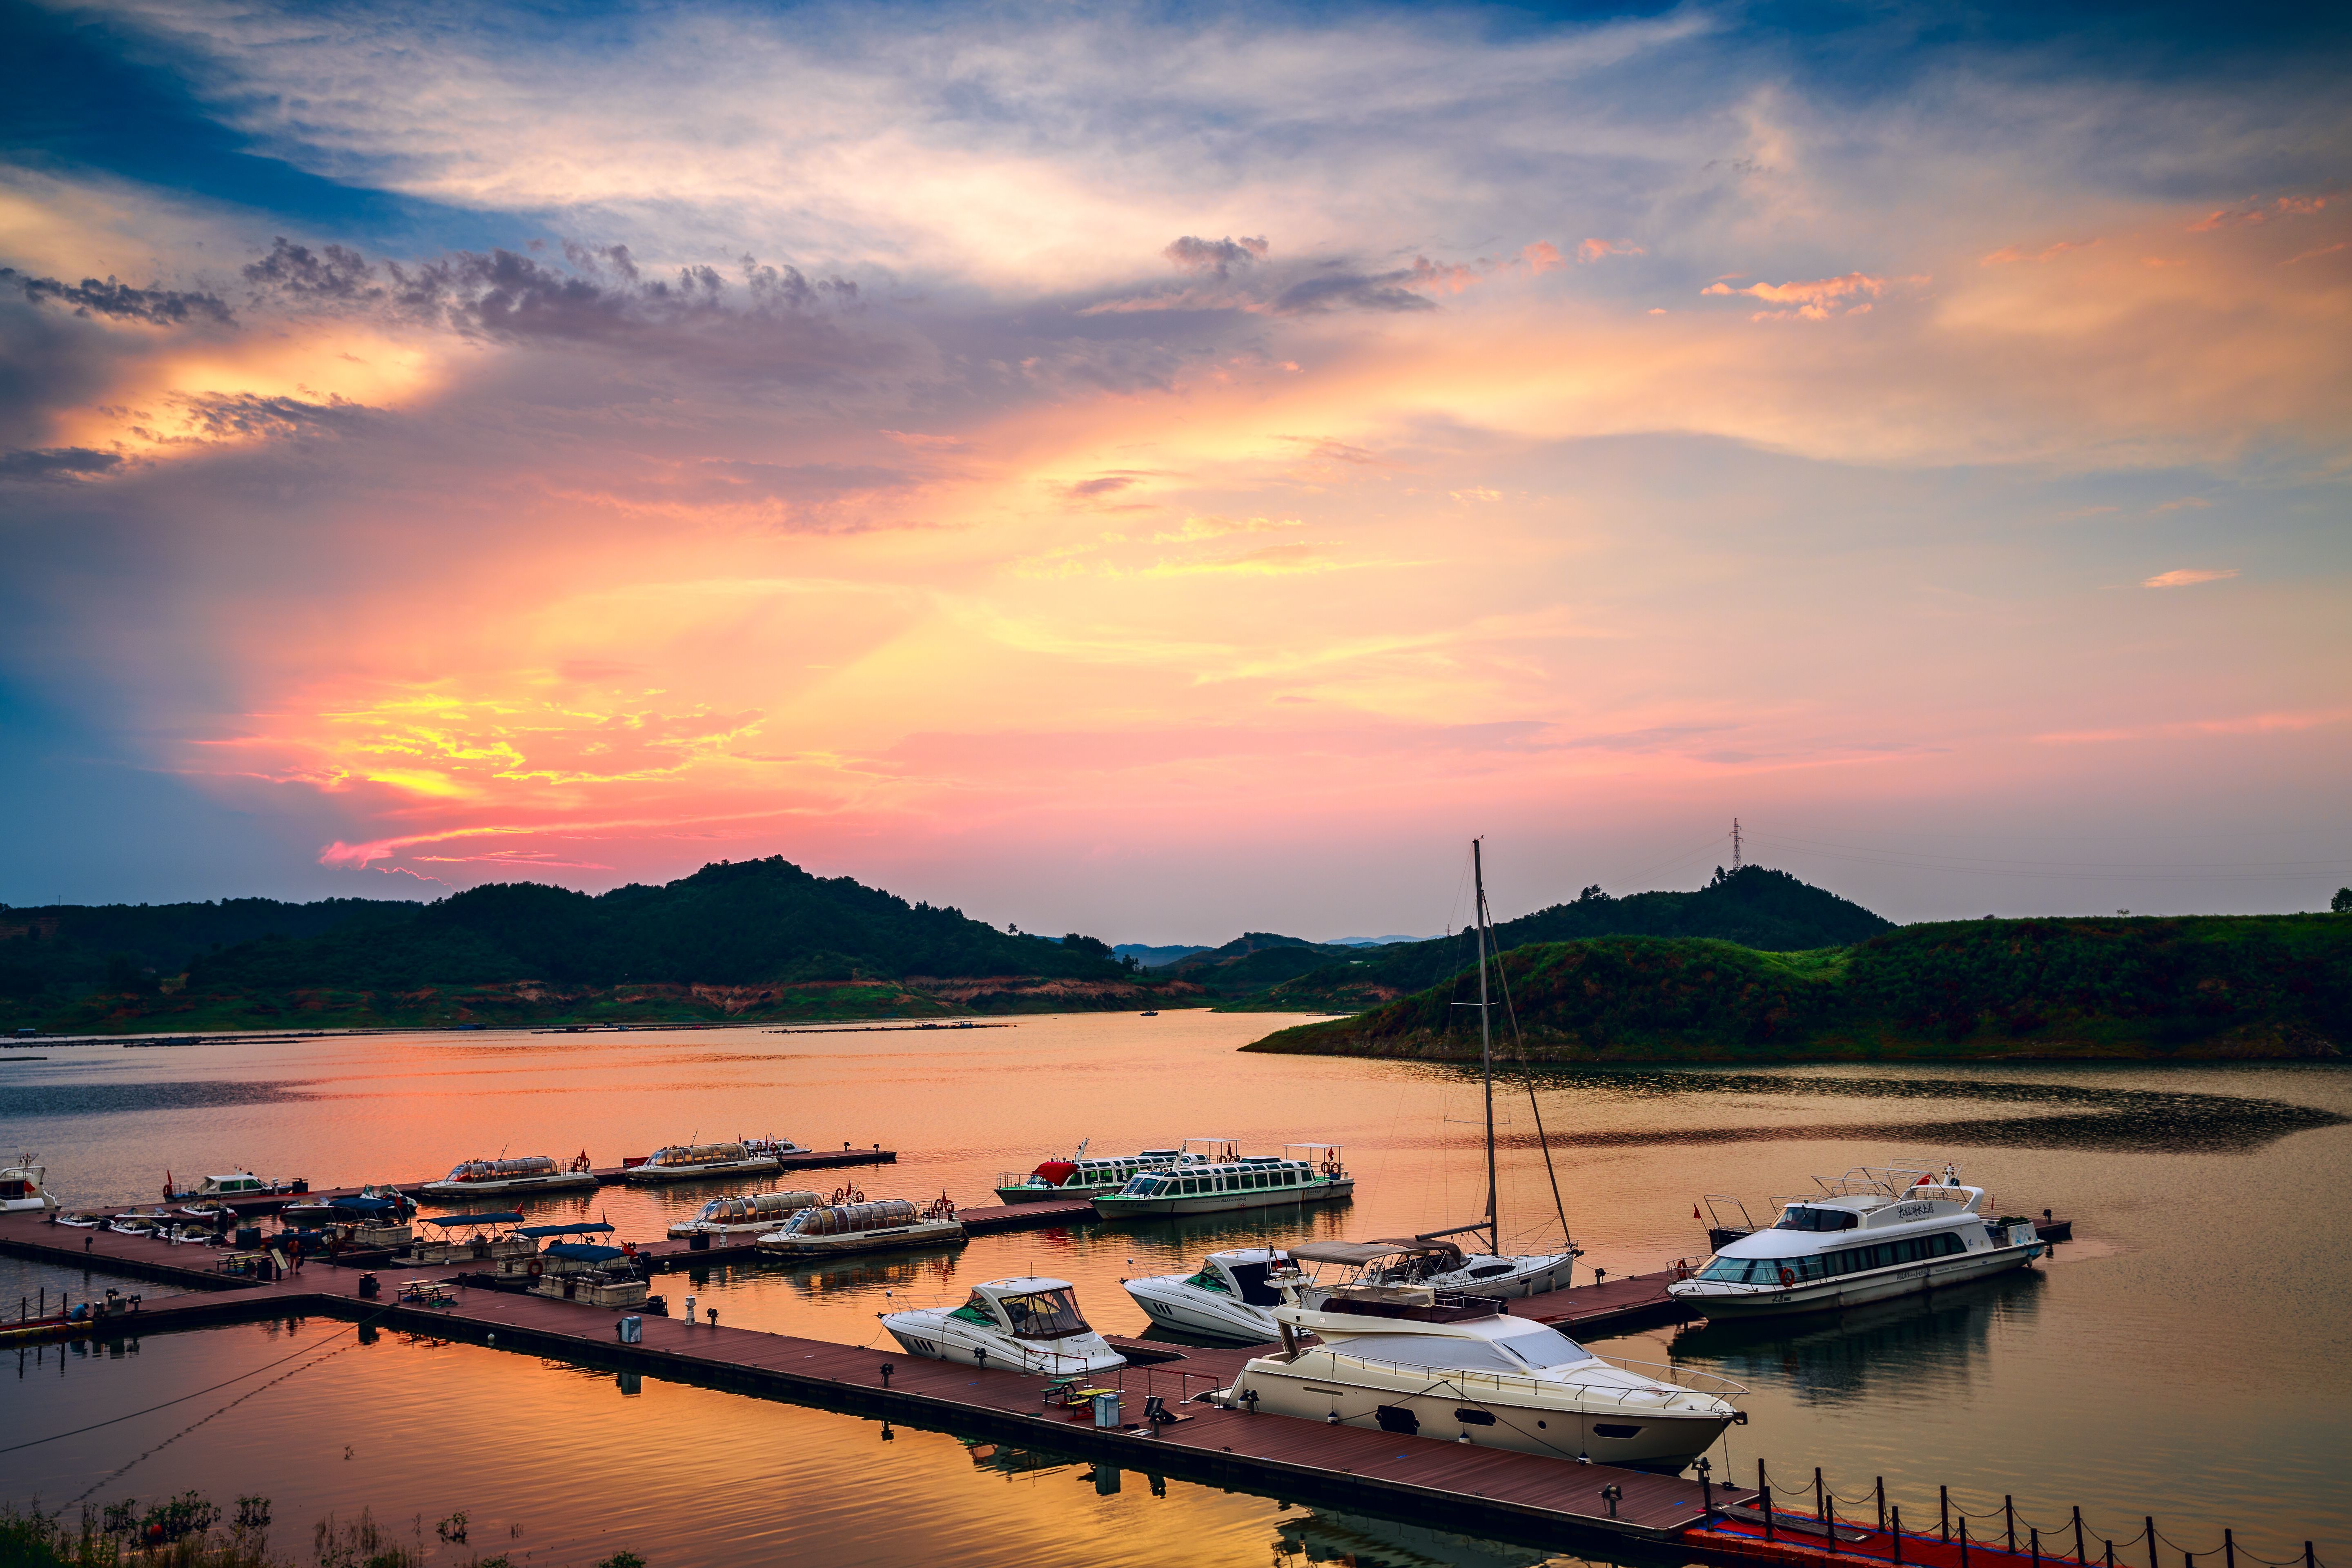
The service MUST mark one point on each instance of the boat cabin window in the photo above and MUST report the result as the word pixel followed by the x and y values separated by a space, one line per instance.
pixel 1434 1351
pixel 1208 1280
pixel 1797 1216
pixel 976 1311
pixel 1549 1347
pixel 1043 1314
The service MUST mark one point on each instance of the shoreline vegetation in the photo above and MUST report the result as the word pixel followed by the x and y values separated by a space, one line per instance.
pixel 2186 988
pixel 190 1531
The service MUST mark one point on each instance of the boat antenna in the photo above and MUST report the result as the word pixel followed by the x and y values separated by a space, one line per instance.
pixel 1486 1052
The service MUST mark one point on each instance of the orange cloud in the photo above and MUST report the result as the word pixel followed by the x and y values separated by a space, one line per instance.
pixel 1817 300
pixel 2187 576
pixel 1598 249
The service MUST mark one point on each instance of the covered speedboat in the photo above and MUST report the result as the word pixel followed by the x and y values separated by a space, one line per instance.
pixel 750 1214
pixel 1020 1325
pixel 524 1174
pixel 1872 1233
pixel 827 1230
pixel 1228 1298
pixel 1405 1359
pixel 702 1161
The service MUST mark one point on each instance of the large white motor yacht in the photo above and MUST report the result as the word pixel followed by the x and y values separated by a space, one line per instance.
pixel 1872 1234
pixel 23 1188
pixel 1440 1264
pixel 1228 1298
pixel 1021 1325
pixel 1405 1359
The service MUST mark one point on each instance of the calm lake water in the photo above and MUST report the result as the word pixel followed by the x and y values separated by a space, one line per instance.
pixel 2187 1357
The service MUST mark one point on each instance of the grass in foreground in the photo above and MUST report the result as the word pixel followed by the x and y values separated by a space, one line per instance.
pixel 191 1531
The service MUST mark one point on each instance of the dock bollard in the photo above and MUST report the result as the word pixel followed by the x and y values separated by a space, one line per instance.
pixel 887 1369
pixel 1894 1538
pixel 690 1312
pixel 1610 1494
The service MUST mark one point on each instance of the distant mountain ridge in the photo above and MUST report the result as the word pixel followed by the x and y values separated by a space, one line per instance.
pixel 1753 907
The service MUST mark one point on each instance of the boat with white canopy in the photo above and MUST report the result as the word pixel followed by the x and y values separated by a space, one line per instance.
pixel 1871 1234
pixel 524 1174
pixel 748 1213
pixel 700 1161
pixel 24 1189
pixel 828 1230
pixel 1031 1325
pixel 1228 1298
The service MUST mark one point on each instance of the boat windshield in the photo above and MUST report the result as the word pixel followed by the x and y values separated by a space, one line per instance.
pixel 1435 1351
pixel 1797 1216
pixel 1043 1314
pixel 1547 1347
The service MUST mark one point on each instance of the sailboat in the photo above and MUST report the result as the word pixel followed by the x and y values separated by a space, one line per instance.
pixel 1446 1268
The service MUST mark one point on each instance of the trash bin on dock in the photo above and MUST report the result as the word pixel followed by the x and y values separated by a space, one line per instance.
pixel 1106 1407
pixel 632 1330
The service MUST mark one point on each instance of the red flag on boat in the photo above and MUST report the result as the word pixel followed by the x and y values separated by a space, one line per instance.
pixel 1695 1211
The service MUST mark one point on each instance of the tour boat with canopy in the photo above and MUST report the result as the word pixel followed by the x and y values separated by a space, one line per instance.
pixel 213 1189
pixel 525 1174
pixel 1406 1360
pixel 855 1225
pixel 488 1242
pixel 700 1161
pixel 1030 1325
pixel 1081 1175
pixel 1211 1178
pixel 748 1213
pixel 1872 1234
pixel 23 1188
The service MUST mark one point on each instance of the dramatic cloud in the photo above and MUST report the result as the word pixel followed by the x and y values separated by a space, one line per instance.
pixel 157 307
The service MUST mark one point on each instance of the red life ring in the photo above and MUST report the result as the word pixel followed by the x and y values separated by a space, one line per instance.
pixel 536 1269
pixel 1787 1277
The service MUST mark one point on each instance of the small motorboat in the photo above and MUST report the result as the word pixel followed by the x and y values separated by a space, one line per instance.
pixel 1020 1325
pixel 526 1173
pixel 699 1161
pixel 827 1230
pixel 1872 1234
pixel 1438 1264
pixel 211 1213
pixel 81 1220
pixel 138 1222
pixel 23 1188
pixel 753 1213
pixel 212 1189
pixel 1228 1298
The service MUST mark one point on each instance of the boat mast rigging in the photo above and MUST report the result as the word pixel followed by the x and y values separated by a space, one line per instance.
pixel 1486 1052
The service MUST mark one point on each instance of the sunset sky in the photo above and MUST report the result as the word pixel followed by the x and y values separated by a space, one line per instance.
pixel 1159 470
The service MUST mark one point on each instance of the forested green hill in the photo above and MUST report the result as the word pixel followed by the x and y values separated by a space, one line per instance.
pixel 2193 987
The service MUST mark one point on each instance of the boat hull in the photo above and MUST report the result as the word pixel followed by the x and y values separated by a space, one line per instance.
pixel 1170 1304
pixel 562 1181
pixel 1116 1206
pixel 765 1165
pixel 1038 1193
pixel 924 1233
pixel 1717 1300
pixel 924 1333
pixel 1432 1406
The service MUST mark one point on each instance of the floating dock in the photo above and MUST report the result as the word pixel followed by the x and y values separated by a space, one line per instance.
pixel 1495 1492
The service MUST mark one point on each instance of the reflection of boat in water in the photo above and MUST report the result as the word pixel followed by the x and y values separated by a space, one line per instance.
pixel 1869 1235
pixel 529 1172
pixel 750 1214
pixel 1358 1541
pixel 1405 1359
pixel 1021 1325
pixel 828 1230
pixel 1008 1461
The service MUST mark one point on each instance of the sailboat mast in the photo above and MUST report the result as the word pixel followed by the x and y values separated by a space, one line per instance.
pixel 1486 1055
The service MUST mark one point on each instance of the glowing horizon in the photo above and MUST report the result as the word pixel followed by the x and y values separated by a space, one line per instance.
pixel 1151 475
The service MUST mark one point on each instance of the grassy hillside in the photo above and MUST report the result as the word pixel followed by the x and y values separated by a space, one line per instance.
pixel 2187 988
pixel 1755 908
pixel 759 938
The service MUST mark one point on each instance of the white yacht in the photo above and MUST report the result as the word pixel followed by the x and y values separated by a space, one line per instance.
pixel 23 1188
pixel 1080 1175
pixel 527 1173
pixel 750 1214
pixel 1020 1325
pixel 699 1161
pixel 827 1230
pixel 1872 1234
pixel 235 1184
pixel 1405 1359
pixel 1228 1298
pixel 1212 1179
pixel 1441 1265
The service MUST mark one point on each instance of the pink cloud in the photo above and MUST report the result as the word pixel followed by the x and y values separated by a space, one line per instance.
pixel 1543 257
pixel 1819 300
pixel 2009 253
pixel 2256 211
pixel 1596 249
pixel 2187 576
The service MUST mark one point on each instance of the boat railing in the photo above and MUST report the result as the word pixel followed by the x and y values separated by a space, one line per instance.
pixel 1578 1380
pixel 1681 1376
pixel 1018 1179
